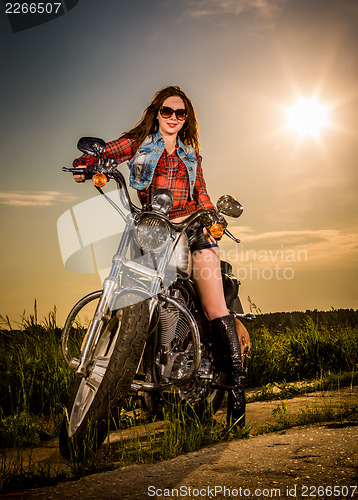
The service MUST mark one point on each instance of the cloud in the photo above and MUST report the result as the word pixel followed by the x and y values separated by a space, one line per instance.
pixel 200 8
pixel 319 247
pixel 296 236
pixel 33 198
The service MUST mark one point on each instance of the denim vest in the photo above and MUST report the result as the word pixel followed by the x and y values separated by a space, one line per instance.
pixel 143 163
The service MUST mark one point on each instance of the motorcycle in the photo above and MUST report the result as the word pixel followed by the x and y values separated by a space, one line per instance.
pixel 148 336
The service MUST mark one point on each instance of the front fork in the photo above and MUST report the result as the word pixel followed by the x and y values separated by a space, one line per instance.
pixel 80 365
pixel 101 314
pixel 100 317
pixel 107 299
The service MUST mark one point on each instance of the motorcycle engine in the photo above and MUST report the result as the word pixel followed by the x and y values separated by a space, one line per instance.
pixel 172 322
pixel 176 352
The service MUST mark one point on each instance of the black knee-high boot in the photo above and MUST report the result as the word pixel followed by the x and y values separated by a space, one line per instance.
pixel 224 330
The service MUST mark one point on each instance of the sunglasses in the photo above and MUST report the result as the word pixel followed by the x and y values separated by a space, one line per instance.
pixel 167 112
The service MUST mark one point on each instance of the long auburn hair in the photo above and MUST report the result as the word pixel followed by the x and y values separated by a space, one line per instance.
pixel 148 124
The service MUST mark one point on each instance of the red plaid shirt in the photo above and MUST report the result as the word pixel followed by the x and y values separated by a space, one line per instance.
pixel 170 173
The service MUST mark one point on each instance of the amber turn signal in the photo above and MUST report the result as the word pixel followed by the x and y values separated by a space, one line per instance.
pixel 216 230
pixel 99 180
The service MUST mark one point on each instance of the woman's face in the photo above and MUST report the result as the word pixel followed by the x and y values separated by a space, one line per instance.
pixel 171 126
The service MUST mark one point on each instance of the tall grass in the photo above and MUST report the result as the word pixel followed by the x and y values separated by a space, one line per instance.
pixel 35 381
pixel 306 351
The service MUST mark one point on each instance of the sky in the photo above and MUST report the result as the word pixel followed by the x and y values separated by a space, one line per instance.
pixel 93 70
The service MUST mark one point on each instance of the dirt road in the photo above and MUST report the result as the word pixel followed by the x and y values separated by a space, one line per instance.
pixel 317 461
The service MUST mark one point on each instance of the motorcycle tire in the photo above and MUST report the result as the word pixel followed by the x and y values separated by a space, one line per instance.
pixel 118 352
pixel 210 402
pixel 216 395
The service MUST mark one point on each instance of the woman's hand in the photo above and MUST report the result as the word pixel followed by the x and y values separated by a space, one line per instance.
pixel 208 236
pixel 244 337
pixel 79 177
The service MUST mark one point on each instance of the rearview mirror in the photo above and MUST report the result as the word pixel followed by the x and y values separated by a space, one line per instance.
pixel 91 146
pixel 227 205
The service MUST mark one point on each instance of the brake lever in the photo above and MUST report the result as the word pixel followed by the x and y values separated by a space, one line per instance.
pixel 227 232
pixel 74 170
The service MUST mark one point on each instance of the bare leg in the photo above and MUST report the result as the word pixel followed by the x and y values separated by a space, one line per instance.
pixel 207 277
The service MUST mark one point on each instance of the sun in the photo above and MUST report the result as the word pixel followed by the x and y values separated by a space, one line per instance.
pixel 308 117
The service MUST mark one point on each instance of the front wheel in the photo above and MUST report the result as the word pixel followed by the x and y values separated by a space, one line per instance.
pixel 114 365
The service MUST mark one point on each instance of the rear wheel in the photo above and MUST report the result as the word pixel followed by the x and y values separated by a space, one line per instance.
pixel 205 395
pixel 114 365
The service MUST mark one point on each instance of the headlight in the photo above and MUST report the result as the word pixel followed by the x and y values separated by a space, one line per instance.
pixel 153 234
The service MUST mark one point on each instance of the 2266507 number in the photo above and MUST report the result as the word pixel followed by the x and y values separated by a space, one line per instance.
pixel 328 491
pixel 32 8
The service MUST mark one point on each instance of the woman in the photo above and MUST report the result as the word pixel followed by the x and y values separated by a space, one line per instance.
pixel 163 152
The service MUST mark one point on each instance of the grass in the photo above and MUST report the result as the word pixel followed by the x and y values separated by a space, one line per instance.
pixel 36 383
pixel 286 390
pixel 307 351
